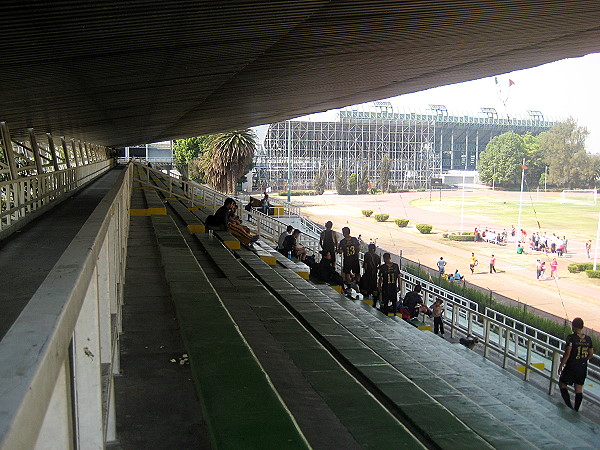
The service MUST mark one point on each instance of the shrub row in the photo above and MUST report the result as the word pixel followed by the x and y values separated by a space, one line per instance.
pixel 401 222
pixel 367 212
pixel 381 217
pixel 580 267
pixel 593 273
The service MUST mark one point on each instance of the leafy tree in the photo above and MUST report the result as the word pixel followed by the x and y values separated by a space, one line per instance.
pixel 560 144
pixel 320 181
pixel 534 159
pixel 228 157
pixel 500 162
pixel 341 181
pixel 385 172
pixel 352 183
pixel 188 151
pixel 363 184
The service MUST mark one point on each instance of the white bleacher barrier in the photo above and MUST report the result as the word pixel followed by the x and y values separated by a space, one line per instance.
pixel 58 359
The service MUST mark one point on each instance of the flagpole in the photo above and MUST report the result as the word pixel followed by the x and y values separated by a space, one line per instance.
pixel 596 246
pixel 519 233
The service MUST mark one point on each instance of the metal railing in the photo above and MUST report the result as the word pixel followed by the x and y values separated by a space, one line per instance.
pixel 23 196
pixel 58 359
pixel 512 340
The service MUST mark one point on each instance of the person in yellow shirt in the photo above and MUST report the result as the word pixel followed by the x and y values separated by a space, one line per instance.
pixel 473 262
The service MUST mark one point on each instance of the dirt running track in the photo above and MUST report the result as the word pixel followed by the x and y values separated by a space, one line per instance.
pixel 565 297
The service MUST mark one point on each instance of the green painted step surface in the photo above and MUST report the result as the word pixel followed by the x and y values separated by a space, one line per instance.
pixel 240 405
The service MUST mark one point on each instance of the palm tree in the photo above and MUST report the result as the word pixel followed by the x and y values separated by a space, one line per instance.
pixel 227 158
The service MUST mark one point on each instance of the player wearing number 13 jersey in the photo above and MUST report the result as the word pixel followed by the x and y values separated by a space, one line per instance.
pixel 389 284
pixel 578 351
pixel 349 247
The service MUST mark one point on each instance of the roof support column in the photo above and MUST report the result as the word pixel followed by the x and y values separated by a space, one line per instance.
pixel 52 151
pixel 74 147
pixel 36 151
pixel 8 150
pixel 65 149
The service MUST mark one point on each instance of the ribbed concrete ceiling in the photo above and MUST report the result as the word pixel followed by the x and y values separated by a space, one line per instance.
pixel 137 71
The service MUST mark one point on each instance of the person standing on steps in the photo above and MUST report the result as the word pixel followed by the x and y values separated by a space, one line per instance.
pixel 350 247
pixel 473 262
pixel 368 281
pixel 578 351
pixel 493 264
pixel 389 284
pixel 328 241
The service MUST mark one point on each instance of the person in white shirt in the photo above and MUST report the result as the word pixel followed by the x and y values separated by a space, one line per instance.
pixel 282 236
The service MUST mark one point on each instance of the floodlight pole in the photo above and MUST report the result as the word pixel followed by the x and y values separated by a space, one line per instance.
pixel 545 178
pixel 519 233
pixel 289 153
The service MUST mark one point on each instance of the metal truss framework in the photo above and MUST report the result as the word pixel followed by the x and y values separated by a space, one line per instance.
pixel 420 146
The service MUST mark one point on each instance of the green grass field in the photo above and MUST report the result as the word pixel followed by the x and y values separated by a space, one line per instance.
pixel 575 218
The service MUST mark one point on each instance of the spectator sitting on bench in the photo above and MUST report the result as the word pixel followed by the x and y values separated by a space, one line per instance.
pixel 241 232
pixel 414 303
pixel 291 247
pixel 456 277
pixel 282 236
pixel 324 271
pixel 220 220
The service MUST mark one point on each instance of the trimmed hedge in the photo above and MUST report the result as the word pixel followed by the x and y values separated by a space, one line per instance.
pixel 593 273
pixel 381 217
pixel 367 212
pixel 284 193
pixel 401 222
pixel 424 228
pixel 462 237
pixel 580 267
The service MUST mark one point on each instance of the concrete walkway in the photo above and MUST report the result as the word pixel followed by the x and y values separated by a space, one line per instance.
pixel 565 297
pixel 27 256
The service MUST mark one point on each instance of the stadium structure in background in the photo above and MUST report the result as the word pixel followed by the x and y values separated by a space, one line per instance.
pixel 420 146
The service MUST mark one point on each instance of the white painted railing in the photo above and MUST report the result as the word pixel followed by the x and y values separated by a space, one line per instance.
pixel 23 197
pixel 58 359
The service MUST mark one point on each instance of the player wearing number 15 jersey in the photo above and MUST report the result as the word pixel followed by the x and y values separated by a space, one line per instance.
pixel 349 247
pixel 579 350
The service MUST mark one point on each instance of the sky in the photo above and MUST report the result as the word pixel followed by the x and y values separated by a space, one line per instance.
pixel 564 88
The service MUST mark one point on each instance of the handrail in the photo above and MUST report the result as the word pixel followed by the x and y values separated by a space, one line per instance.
pixel 58 359
pixel 22 197
pixel 508 339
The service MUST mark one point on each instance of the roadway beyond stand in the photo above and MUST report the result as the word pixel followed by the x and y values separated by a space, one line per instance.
pixel 27 256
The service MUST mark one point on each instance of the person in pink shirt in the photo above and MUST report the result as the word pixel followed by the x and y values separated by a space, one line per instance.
pixel 553 269
pixel 493 264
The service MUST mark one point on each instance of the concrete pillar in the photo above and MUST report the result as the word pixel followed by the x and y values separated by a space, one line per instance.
pixel 65 150
pixel 52 149
pixel 8 151
pixel 87 373
pixel 56 432
pixel 36 151
pixel 75 156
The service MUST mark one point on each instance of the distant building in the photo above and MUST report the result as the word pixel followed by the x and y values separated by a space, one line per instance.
pixel 157 153
pixel 420 146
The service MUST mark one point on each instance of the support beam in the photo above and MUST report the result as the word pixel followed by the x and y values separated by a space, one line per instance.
pixel 36 151
pixel 8 150
pixel 52 151
pixel 65 149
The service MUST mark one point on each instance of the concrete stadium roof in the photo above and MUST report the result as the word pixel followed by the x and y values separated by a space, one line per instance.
pixel 129 72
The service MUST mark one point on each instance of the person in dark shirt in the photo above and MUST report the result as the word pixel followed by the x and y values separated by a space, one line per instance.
pixel 350 248
pixel 414 303
pixel 578 351
pixel 291 247
pixel 389 284
pixel 328 241
pixel 220 220
pixel 325 272
pixel 368 281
